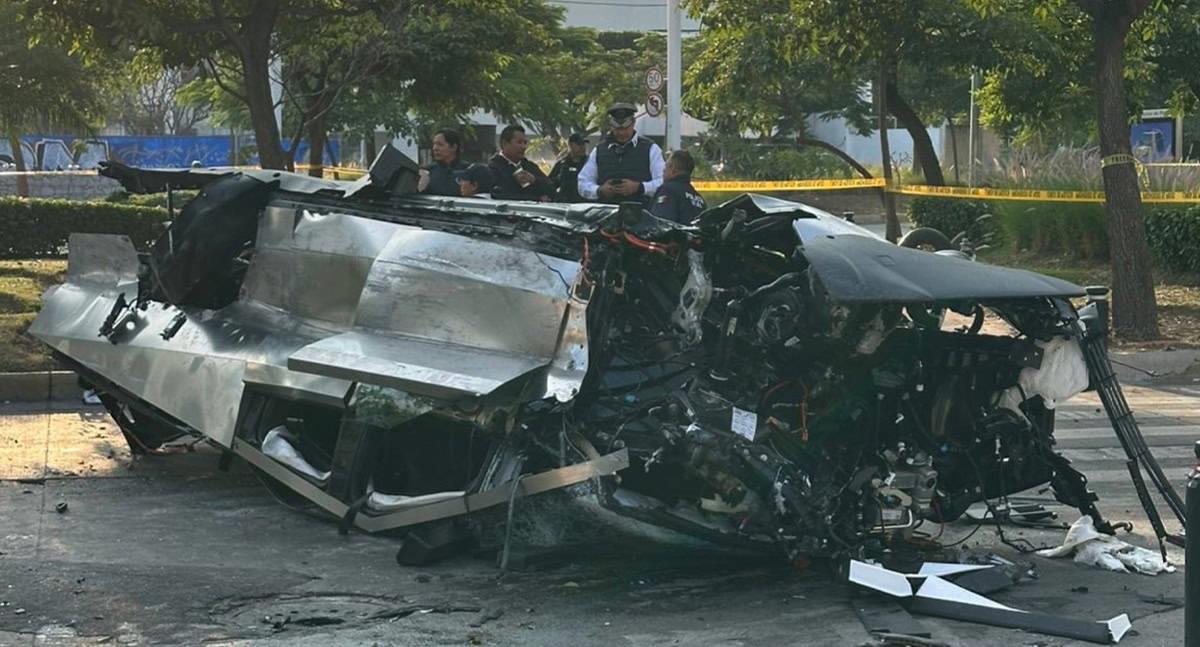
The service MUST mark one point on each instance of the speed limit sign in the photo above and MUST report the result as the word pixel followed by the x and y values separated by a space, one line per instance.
pixel 654 79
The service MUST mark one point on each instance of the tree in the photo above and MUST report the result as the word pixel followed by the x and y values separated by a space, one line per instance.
pixel 741 80
pixel 41 86
pixel 1090 38
pixel 867 40
pixel 146 99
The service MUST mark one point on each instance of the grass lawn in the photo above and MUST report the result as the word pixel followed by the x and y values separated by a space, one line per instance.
pixel 22 284
pixel 21 287
pixel 1178 296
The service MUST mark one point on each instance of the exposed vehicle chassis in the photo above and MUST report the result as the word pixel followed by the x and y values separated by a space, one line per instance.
pixel 772 378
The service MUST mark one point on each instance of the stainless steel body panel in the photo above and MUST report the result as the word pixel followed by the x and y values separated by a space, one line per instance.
pixel 346 298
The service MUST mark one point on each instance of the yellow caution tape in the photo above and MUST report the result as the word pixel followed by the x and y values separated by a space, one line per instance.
pixel 788 185
pixel 1038 195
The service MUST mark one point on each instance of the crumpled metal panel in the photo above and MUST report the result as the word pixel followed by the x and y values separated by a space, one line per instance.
pixel 447 316
pixel 423 367
pixel 197 375
pixel 102 259
pixel 479 294
pixel 298 250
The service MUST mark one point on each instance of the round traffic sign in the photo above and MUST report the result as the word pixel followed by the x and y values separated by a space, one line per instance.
pixel 654 79
pixel 654 104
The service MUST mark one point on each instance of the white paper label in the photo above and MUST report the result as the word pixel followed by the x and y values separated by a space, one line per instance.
pixel 744 423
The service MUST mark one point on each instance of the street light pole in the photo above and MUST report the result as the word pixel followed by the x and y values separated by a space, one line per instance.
pixel 674 75
pixel 973 127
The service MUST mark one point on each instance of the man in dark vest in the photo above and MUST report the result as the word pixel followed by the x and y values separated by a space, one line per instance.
pixel 623 166
pixel 565 174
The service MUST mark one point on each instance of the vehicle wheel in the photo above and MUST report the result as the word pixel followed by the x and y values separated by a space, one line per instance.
pixel 926 238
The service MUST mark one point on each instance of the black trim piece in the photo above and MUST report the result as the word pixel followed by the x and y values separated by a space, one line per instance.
pixel 1042 623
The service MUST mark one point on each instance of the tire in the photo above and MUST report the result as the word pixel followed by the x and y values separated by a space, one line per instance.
pixel 926 238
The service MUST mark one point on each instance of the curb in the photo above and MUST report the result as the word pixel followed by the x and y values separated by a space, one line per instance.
pixel 1142 367
pixel 40 386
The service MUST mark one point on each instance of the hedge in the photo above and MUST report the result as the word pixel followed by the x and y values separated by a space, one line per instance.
pixel 1046 228
pixel 1075 230
pixel 35 227
pixel 1174 237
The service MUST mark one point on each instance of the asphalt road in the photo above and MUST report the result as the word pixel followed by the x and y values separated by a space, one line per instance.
pixel 168 550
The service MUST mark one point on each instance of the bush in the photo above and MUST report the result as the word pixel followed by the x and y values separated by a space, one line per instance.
pixel 947 215
pixel 1174 237
pixel 34 227
pixel 121 196
pixel 1070 229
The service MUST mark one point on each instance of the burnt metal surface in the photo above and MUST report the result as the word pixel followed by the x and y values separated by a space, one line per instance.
pixel 773 378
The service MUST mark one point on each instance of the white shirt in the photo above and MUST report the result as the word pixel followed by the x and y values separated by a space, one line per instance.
pixel 587 175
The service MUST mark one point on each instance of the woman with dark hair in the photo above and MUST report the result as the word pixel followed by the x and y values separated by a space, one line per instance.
pixel 438 178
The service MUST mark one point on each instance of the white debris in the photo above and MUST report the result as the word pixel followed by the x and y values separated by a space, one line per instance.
pixel 1063 373
pixel 880 579
pixel 942 569
pixel 276 446
pixel 936 588
pixel 1093 548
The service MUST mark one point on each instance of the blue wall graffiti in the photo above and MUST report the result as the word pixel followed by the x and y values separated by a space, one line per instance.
pixel 61 152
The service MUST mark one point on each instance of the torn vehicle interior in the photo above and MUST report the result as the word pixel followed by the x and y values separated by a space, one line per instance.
pixel 772 378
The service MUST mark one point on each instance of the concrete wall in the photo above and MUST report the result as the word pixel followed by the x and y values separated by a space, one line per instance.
pixel 865 148
pixel 74 186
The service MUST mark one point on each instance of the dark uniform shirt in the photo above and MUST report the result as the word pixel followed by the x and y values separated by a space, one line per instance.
pixel 677 201
pixel 565 176
pixel 506 185
pixel 441 177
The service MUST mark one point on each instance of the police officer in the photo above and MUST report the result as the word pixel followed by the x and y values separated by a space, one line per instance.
pixel 516 177
pixel 438 178
pixel 677 200
pixel 565 173
pixel 623 165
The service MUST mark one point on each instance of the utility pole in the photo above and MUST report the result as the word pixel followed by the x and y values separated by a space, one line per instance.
pixel 674 76
pixel 973 127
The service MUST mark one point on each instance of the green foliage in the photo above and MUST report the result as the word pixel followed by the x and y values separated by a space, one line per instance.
pixel 159 200
pixel 1076 230
pixel 743 76
pixel 1174 237
pixel 733 158
pixel 950 216
pixel 38 227
pixel 41 86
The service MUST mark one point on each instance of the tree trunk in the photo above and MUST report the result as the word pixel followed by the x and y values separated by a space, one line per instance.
pixel 371 150
pixel 922 144
pixel 316 146
pixel 841 154
pixel 1134 310
pixel 885 153
pixel 256 70
pixel 18 156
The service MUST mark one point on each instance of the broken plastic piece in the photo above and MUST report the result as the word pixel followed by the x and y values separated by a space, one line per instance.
pixel 880 579
pixel 935 588
pixel 943 569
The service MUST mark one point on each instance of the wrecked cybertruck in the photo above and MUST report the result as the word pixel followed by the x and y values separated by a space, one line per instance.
pixel 771 378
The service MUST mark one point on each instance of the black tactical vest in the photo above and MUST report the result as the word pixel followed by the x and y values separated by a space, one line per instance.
pixel 623 162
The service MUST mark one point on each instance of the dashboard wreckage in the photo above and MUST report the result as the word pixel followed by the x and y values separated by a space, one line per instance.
pixel 771 378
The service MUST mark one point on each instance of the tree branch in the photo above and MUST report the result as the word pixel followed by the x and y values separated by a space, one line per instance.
pixel 216 77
